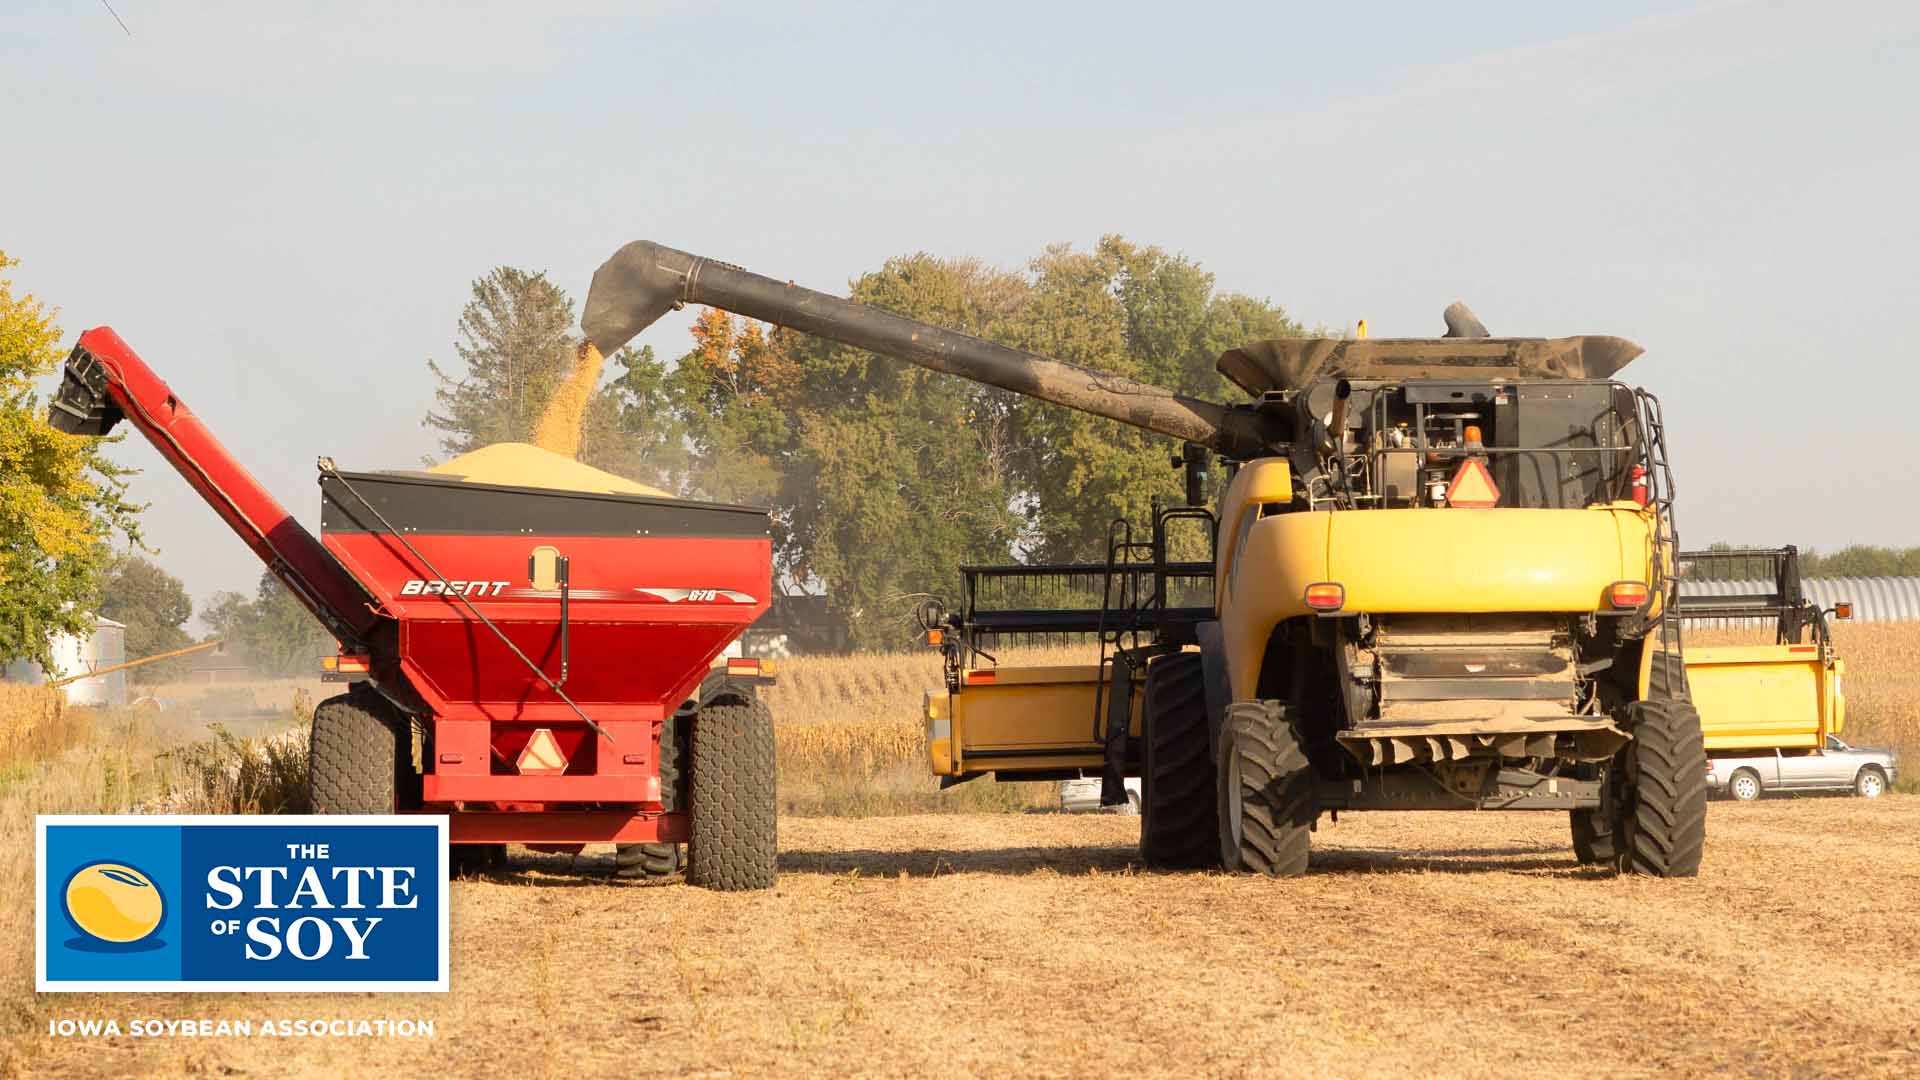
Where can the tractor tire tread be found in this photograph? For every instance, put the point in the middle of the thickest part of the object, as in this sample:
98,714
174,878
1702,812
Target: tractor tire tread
1276,792
358,758
732,802
1179,829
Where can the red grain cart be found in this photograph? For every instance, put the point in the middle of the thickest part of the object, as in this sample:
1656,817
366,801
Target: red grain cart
535,663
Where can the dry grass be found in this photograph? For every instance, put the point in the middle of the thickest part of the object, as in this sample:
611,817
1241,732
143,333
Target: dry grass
35,724
1420,945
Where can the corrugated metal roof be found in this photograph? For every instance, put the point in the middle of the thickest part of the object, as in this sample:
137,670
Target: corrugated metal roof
1875,599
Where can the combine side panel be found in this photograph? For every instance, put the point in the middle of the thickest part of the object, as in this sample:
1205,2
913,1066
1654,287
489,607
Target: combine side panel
107,382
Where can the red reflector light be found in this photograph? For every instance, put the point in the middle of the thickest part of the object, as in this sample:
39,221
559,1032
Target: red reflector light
1326,596
1627,594
974,678
743,665
343,662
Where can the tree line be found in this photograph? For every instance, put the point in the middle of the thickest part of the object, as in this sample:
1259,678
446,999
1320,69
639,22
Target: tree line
882,477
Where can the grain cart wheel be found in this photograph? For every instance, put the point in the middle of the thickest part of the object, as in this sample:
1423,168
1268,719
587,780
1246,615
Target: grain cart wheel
360,756
662,860
472,860
647,860
1659,793
1179,828
1592,838
1267,804
730,796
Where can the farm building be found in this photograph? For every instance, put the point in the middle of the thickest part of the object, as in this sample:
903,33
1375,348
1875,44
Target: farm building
1874,599
73,655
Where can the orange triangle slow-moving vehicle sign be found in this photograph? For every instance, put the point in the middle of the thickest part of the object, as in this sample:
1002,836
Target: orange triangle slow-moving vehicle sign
542,755
1473,486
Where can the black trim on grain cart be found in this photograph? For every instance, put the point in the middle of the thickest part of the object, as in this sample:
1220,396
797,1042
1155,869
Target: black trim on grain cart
434,505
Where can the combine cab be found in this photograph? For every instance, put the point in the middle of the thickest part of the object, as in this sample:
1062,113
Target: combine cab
536,663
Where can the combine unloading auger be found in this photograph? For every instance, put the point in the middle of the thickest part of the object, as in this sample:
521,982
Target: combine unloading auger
645,280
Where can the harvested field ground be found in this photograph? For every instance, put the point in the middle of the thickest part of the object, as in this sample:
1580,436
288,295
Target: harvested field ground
1421,944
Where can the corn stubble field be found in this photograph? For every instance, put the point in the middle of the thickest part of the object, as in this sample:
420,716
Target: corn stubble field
917,931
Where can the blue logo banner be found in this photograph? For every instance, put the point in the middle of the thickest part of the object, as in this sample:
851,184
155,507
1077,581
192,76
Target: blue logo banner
174,903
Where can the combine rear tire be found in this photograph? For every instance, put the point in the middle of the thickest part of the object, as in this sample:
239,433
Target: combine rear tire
360,759
1660,795
1179,826
1592,838
1267,803
731,797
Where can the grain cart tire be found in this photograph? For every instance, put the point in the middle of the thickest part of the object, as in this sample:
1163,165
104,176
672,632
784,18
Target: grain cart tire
1179,828
732,845
472,860
662,860
360,757
1592,838
647,860
1267,804
1660,793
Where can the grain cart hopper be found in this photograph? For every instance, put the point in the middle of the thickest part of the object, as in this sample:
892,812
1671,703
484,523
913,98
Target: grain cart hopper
536,661
1439,578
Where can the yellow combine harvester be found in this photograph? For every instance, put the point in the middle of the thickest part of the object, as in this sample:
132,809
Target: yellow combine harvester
1439,577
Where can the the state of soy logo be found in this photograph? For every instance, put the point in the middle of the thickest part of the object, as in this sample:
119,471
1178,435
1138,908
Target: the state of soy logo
241,903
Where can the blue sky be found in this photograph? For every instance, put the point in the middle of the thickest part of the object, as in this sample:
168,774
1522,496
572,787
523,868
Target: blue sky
281,206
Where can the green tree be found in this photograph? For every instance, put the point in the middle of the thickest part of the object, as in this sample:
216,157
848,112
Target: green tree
1862,560
271,632
61,500
899,474
634,426
516,342
154,607
1139,312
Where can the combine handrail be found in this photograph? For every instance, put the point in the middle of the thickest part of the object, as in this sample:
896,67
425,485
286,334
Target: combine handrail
106,381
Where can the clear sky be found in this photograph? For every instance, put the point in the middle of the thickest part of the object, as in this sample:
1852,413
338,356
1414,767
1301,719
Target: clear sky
281,205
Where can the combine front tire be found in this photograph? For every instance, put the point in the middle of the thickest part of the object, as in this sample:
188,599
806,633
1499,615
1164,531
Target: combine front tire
1660,797
1267,804
359,758
1179,828
731,797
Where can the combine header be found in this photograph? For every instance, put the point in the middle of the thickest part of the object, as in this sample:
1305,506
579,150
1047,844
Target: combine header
536,663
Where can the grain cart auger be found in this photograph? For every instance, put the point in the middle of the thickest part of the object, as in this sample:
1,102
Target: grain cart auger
1440,578
534,662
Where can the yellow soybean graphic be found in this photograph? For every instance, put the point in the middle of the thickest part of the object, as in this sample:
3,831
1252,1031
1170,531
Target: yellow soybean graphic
114,903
